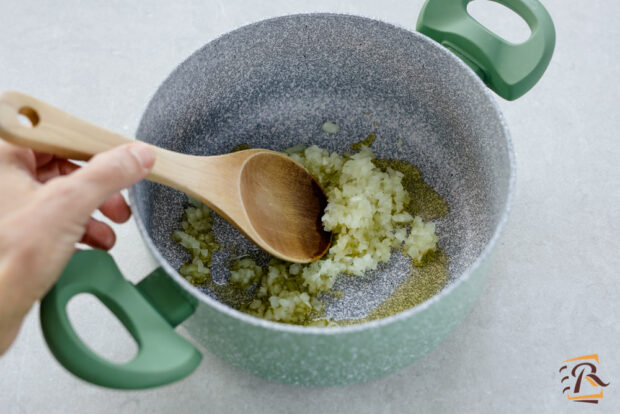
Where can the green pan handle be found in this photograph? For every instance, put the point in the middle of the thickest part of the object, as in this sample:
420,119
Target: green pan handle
507,68
163,356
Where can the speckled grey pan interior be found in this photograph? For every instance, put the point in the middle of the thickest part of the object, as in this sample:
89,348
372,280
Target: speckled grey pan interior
273,84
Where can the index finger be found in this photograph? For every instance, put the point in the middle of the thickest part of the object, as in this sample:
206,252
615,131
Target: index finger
57,166
42,158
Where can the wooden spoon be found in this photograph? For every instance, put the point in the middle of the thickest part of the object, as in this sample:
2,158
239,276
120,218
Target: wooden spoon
270,198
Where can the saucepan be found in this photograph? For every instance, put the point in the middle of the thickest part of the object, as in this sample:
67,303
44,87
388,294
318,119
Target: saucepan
425,95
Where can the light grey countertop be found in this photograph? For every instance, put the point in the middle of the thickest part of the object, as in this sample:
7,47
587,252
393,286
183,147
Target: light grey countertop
553,291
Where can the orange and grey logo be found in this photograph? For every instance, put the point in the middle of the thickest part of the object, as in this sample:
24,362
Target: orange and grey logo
580,380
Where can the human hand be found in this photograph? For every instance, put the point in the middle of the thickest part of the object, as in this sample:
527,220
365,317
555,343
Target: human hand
45,209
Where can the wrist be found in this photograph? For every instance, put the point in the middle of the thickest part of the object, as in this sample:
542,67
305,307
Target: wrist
15,302
13,307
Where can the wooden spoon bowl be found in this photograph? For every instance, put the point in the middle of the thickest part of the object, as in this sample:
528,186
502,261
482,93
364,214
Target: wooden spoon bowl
274,201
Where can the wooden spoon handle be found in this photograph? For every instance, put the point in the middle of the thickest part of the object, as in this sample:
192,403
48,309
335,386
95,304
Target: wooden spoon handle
29,122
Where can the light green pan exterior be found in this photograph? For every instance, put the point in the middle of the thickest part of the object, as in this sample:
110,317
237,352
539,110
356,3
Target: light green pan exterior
319,357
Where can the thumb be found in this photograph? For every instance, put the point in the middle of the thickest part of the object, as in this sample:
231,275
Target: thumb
109,172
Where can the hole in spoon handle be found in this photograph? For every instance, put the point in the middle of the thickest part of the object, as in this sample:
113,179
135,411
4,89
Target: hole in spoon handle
29,122
28,116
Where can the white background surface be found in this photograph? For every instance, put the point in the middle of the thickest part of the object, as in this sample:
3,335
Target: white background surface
554,290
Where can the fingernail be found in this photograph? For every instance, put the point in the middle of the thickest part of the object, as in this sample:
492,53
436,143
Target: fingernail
144,154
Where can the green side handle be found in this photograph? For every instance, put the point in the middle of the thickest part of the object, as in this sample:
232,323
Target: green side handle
507,68
148,311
